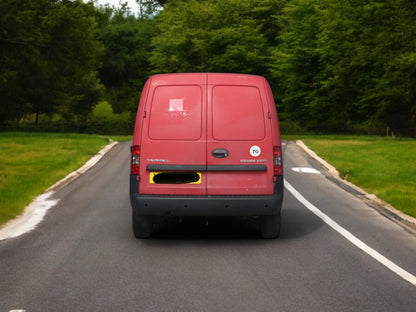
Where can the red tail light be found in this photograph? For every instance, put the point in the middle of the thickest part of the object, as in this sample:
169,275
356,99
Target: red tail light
135,159
277,161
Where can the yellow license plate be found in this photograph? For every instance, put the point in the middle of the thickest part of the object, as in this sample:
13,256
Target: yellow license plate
175,178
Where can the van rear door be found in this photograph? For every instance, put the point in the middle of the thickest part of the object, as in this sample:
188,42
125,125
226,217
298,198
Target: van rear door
239,144
173,151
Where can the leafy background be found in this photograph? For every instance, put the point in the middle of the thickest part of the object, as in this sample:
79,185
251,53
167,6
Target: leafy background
334,65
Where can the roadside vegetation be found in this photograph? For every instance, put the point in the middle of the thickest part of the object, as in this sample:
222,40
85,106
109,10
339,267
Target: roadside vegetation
334,65
382,166
31,162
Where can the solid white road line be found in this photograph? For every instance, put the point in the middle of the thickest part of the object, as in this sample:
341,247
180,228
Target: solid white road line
353,239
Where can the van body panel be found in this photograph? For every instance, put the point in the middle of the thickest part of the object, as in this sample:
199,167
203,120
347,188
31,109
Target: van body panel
137,137
176,113
274,123
237,113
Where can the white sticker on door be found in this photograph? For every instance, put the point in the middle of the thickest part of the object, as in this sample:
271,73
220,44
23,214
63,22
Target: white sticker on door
176,105
255,151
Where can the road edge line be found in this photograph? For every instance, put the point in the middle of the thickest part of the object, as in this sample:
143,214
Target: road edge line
351,237
389,210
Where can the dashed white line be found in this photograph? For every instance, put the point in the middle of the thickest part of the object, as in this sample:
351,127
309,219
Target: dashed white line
305,170
352,238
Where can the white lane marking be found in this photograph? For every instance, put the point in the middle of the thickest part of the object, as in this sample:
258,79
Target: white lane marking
17,311
305,170
31,217
353,239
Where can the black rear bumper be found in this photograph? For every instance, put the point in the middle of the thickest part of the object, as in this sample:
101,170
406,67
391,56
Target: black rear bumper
182,205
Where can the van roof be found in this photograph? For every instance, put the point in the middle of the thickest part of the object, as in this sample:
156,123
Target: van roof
210,78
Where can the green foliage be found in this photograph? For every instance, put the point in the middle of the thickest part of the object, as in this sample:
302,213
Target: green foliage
296,59
125,64
103,120
49,58
149,7
347,65
334,65
213,36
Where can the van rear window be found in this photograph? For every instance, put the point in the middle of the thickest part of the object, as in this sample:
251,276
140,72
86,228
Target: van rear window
176,113
237,113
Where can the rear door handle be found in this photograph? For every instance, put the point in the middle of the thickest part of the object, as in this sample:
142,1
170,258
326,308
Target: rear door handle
220,153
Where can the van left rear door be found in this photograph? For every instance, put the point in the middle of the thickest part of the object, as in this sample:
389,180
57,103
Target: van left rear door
173,151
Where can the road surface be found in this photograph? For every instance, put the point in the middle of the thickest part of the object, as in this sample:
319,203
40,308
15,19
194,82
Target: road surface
84,257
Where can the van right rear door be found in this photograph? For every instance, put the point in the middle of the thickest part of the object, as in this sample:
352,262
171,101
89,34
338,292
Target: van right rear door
239,144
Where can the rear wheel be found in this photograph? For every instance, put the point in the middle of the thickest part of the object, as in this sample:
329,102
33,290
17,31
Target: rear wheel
142,226
270,226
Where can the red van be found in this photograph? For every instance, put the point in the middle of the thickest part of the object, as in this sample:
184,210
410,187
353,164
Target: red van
206,144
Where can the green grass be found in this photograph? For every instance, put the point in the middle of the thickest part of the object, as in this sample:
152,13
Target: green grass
31,162
381,166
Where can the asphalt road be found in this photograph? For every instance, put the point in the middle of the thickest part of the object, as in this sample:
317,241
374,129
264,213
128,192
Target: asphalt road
84,257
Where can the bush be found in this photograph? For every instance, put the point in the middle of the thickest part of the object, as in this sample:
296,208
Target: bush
103,120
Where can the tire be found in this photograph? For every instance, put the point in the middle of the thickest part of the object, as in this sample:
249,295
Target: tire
270,226
142,226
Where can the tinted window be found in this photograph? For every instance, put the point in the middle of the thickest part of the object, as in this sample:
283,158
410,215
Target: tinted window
176,113
237,113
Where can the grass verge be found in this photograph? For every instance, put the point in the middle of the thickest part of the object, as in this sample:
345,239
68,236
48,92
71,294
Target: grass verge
381,166
31,162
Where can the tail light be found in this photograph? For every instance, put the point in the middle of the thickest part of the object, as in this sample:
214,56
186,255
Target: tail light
277,161
135,159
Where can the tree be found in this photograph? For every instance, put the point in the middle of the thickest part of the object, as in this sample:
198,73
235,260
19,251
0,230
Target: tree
212,35
295,60
21,39
74,51
149,7
349,64
395,89
49,58
125,64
